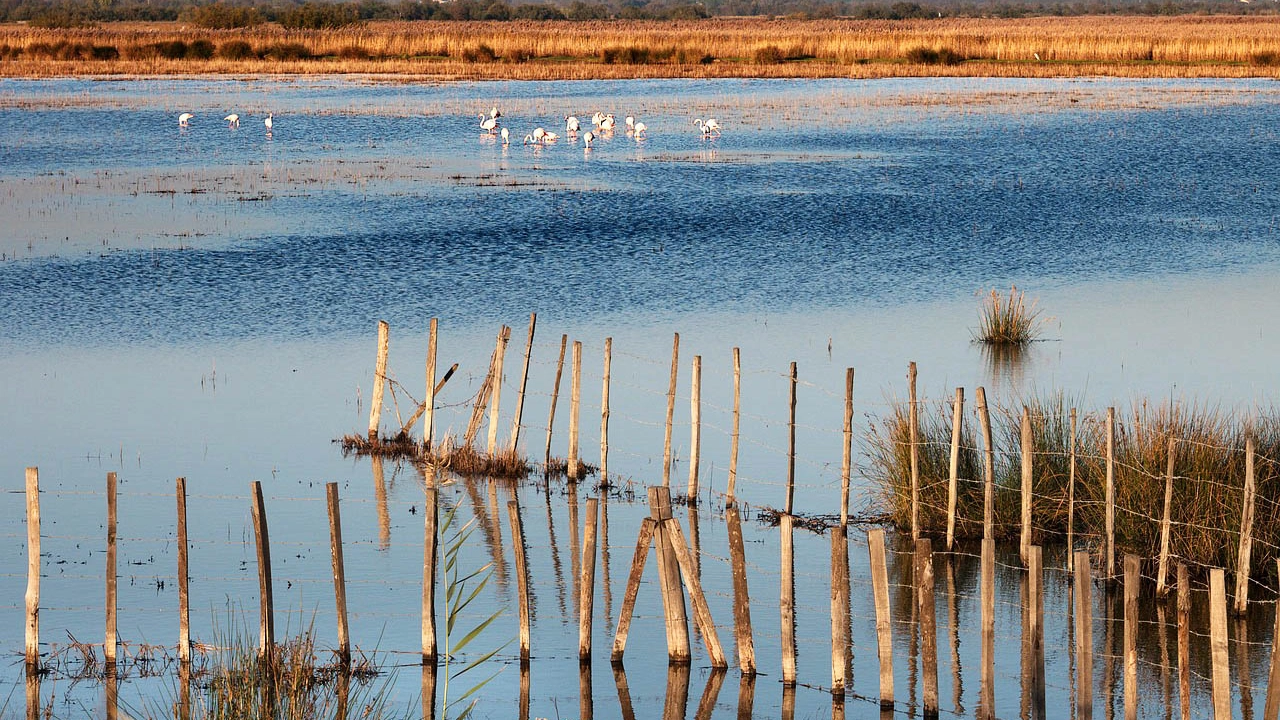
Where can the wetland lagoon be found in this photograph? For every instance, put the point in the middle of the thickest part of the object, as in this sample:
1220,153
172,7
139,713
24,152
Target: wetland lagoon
203,302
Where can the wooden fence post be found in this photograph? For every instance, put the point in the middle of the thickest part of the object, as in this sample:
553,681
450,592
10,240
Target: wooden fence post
695,425
604,413
430,554
1035,612
339,572
787,603
495,391
267,622
109,642
429,403
1084,636
697,598
673,609
741,600
524,383
1245,552
522,576
648,527
846,460
555,394
671,411
33,570
927,612
1071,499
1028,475
733,438
791,443
1184,641
989,467
884,625
575,399
986,691
379,379
184,576
1162,571
1110,568
1218,644
913,420
485,394
587,587
1272,709
1132,575
957,424
840,610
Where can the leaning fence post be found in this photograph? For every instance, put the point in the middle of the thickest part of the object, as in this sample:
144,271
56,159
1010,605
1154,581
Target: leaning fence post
339,572
1162,571
741,599
522,576
1272,709
524,383
267,623
587,586
1246,529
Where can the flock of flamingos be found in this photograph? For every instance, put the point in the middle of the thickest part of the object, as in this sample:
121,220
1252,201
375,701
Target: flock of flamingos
603,123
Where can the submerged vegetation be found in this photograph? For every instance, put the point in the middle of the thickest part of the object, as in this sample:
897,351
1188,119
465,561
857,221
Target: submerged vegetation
1208,476
316,40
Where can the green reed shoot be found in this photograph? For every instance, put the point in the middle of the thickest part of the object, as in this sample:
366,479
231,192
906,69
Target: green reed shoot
460,591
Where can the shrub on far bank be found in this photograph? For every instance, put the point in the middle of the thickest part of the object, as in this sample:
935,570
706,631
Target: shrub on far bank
320,16
221,16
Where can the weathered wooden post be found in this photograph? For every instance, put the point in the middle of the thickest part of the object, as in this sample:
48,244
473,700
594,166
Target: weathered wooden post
787,603
791,443
339,572
1111,496
1218,644
741,599
184,577
957,425
522,576
429,403
927,612
1132,575
430,554
1028,476
524,383
604,413
555,394
379,379
267,623
1245,552
695,425
846,460
1084,636
884,625
913,420
587,587
1162,572
989,468
33,571
671,411
733,438
575,399
109,642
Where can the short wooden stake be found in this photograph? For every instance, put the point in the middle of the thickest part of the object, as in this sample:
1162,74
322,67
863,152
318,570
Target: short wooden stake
791,443
429,403
339,572
1162,571
1110,568
604,413
555,394
647,528
671,411
1244,555
741,599
1024,548
986,691
430,553
495,390
184,577
695,425
1071,498
587,587
697,598
846,460
884,625
1184,641
422,408
485,393
927,612
673,609
575,400
733,437
524,383
913,430
33,570
1083,588
840,610
267,622
379,379
1132,576
109,642
522,576
953,478
787,603
1218,644
989,468
1271,710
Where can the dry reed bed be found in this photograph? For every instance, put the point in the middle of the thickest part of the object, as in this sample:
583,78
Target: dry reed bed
1126,46
1208,483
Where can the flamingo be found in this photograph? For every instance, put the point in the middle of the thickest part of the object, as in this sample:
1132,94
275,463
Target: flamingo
715,126
598,118
184,118
549,137
571,124
630,122
639,130
528,140
708,127
587,138
488,124
495,113
506,136
268,122
607,123
538,134
233,120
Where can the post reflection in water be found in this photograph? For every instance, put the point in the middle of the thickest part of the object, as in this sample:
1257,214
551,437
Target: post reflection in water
837,707
788,702
624,692
112,683
710,693
575,547
524,690
556,568
604,561
586,707
746,696
344,694
676,704
495,531
957,684
380,500
183,709
1242,661
429,691
33,696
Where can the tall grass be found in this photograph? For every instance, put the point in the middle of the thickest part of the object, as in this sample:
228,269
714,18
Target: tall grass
1033,47
1008,320
1207,488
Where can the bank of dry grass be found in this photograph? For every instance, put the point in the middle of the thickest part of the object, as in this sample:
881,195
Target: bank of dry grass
1187,46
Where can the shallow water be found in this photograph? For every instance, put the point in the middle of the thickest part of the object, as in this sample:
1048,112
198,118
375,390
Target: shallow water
202,302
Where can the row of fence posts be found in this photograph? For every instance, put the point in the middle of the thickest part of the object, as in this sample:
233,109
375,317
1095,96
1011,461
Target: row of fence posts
675,563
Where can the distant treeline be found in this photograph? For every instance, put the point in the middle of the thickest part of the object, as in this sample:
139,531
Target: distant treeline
337,13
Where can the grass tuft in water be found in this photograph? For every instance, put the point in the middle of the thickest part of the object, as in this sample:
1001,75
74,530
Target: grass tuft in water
1008,320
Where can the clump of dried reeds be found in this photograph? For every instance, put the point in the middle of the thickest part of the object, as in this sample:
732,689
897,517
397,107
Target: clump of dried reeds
1208,478
559,468
467,460
1008,321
